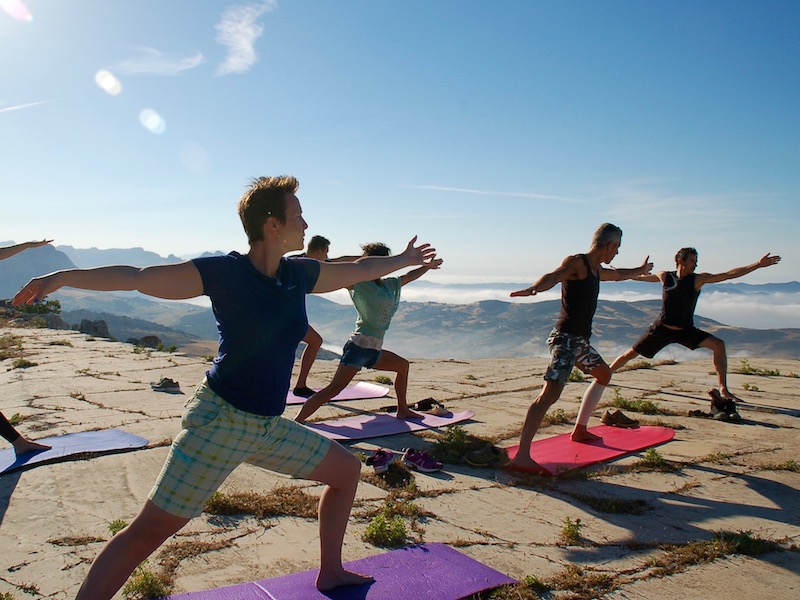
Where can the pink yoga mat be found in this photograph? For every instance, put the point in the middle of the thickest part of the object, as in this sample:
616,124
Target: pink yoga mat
359,391
72,446
377,425
558,454
426,572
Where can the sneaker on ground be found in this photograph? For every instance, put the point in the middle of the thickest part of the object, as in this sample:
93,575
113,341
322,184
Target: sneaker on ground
303,392
431,407
731,411
618,419
488,456
421,461
380,460
166,385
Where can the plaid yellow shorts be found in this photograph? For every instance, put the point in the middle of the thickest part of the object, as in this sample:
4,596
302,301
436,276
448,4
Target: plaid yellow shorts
216,438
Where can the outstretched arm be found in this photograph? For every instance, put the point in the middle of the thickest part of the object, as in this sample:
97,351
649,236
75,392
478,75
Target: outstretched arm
623,274
334,276
417,273
9,251
172,282
765,261
567,270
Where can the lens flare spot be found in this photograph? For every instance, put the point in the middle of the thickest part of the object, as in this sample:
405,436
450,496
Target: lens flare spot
152,121
16,9
106,81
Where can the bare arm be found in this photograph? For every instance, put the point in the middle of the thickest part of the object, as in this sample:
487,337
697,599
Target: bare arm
623,274
765,261
334,276
417,273
172,282
9,251
567,270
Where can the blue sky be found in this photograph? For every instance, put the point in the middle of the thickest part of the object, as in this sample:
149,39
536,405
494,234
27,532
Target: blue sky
502,132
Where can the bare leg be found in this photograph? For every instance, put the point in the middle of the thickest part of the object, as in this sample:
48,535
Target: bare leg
123,553
341,378
623,358
602,375
717,346
389,361
340,471
538,408
313,342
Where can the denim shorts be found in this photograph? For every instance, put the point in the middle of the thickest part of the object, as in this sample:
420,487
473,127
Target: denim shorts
216,438
357,357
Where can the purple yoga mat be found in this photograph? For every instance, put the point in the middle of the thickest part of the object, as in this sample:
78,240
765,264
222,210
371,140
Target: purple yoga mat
377,425
425,572
71,445
360,391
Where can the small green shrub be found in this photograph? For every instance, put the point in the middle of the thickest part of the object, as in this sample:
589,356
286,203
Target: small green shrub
384,379
22,363
575,375
571,532
144,584
386,531
116,526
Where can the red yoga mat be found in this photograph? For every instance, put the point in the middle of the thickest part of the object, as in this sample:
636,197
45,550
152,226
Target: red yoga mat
559,454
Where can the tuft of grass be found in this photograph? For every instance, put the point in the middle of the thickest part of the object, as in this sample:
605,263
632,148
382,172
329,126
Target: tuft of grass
574,376
530,588
470,377
116,526
171,555
22,363
556,417
386,531
583,583
454,443
746,369
10,346
614,506
678,558
286,500
6,596
750,387
77,395
16,419
76,540
647,407
60,343
145,584
384,379
653,461
571,532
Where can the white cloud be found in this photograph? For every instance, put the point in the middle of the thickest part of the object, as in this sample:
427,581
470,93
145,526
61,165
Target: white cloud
238,30
154,62
531,195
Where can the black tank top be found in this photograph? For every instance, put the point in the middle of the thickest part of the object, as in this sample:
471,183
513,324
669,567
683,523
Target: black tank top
678,300
578,303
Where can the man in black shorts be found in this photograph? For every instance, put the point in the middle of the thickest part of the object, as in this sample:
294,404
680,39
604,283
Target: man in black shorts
579,276
675,324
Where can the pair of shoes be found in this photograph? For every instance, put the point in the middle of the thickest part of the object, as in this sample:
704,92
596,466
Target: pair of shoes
303,392
723,409
618,419
166,385
422,461
430,406
380,460
488,456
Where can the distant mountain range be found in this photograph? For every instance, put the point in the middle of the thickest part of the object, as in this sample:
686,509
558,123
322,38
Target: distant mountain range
484,329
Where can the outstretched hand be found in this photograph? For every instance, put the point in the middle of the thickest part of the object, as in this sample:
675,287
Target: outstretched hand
37,244
35,290
768,261
647,266
528,291
419,255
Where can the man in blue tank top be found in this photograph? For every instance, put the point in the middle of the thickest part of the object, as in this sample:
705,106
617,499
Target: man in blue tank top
675,324
235,415
579,276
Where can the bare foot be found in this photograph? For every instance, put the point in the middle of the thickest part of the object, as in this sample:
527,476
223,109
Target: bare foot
408,414
584,436
341,578
22,446
528,465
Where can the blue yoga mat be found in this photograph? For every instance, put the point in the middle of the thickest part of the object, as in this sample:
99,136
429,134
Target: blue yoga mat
434,571
71,445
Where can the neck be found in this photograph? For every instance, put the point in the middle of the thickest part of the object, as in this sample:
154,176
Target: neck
264,258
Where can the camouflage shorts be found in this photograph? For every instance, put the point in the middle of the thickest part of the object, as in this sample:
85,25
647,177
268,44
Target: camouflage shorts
567,351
